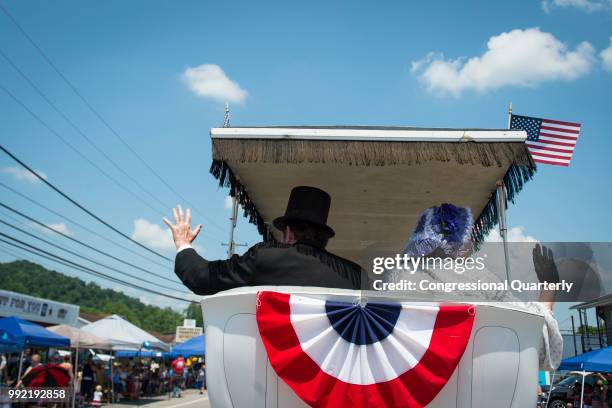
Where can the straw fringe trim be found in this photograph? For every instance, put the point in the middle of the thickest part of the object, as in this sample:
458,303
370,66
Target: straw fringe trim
373,154
368,153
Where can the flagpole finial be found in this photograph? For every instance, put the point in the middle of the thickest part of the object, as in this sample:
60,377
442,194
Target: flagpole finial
226,116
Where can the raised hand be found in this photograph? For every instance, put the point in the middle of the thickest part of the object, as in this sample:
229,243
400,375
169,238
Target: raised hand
544,263
182,233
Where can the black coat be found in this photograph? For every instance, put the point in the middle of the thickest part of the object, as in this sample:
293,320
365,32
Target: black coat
301,264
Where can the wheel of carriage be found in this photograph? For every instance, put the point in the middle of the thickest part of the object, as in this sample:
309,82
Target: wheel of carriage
557,403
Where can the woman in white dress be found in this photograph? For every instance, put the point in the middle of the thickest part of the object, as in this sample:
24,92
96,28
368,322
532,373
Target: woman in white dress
445,231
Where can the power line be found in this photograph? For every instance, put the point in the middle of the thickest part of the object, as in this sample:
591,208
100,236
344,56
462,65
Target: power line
79,255
56,258
77,151
60,192
79,131
74,239
99,116
84,228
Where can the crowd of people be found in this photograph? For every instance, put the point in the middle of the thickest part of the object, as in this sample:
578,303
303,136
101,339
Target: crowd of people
98,382
135,378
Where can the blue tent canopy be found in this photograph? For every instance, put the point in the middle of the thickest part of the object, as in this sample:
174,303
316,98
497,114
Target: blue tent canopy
193,347
16,334
596,361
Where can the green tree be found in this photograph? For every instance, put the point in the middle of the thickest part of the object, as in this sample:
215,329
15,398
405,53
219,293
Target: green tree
34,280
194,311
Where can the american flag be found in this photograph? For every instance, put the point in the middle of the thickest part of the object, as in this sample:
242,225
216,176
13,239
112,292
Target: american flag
549,141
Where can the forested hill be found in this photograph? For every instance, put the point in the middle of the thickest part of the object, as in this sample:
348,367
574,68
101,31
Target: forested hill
34,280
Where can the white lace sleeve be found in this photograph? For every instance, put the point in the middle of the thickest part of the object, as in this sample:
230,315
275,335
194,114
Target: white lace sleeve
551,349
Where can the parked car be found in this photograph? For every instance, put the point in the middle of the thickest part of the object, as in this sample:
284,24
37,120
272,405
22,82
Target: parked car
559,394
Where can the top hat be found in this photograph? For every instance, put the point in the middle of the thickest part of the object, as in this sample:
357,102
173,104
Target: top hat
307,204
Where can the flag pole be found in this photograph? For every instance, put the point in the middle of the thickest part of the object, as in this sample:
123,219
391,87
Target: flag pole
509,115
501,211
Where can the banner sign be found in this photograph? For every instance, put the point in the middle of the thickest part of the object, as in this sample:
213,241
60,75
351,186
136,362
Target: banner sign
37,309
184,333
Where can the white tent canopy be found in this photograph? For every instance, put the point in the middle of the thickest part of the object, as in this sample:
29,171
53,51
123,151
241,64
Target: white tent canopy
79,338
122,334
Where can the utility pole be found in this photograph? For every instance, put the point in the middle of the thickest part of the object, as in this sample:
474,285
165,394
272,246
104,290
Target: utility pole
231,245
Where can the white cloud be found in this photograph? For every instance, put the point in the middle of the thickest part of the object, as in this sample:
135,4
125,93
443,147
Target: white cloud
606,57
585,5
209,81
61,227
515,234
58,226
519,57
21,174
152,235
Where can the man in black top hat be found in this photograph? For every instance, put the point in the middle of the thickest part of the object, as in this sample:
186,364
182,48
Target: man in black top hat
299,260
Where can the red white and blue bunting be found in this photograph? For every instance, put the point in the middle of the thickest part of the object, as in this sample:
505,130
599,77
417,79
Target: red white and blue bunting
342,354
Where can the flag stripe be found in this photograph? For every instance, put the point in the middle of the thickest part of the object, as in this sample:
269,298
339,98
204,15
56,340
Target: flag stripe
552,159
549,149
564,137
558,122
550,162
551,142
551,156
560,127
556,131
546,139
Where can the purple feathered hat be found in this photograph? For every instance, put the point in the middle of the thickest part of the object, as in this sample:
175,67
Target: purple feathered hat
446,226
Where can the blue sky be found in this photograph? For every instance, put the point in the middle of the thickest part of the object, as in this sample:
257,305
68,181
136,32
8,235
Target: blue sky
294,63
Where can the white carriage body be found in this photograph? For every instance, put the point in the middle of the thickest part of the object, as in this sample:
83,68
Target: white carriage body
498,369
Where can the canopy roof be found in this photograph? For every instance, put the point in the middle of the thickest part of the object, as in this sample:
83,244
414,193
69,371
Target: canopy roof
380,178
195,346
596,361
122,334
16,334
81,339
602,301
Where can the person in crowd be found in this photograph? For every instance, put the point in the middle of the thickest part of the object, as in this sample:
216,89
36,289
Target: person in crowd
163,379
26,360
100,378
178,370
87,381
300,260
3,369
202,378
117,386
34,362
598,394
65,364
123,377
97,396
576,394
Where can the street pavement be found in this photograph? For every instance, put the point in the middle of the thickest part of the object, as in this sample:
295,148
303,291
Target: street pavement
190,399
